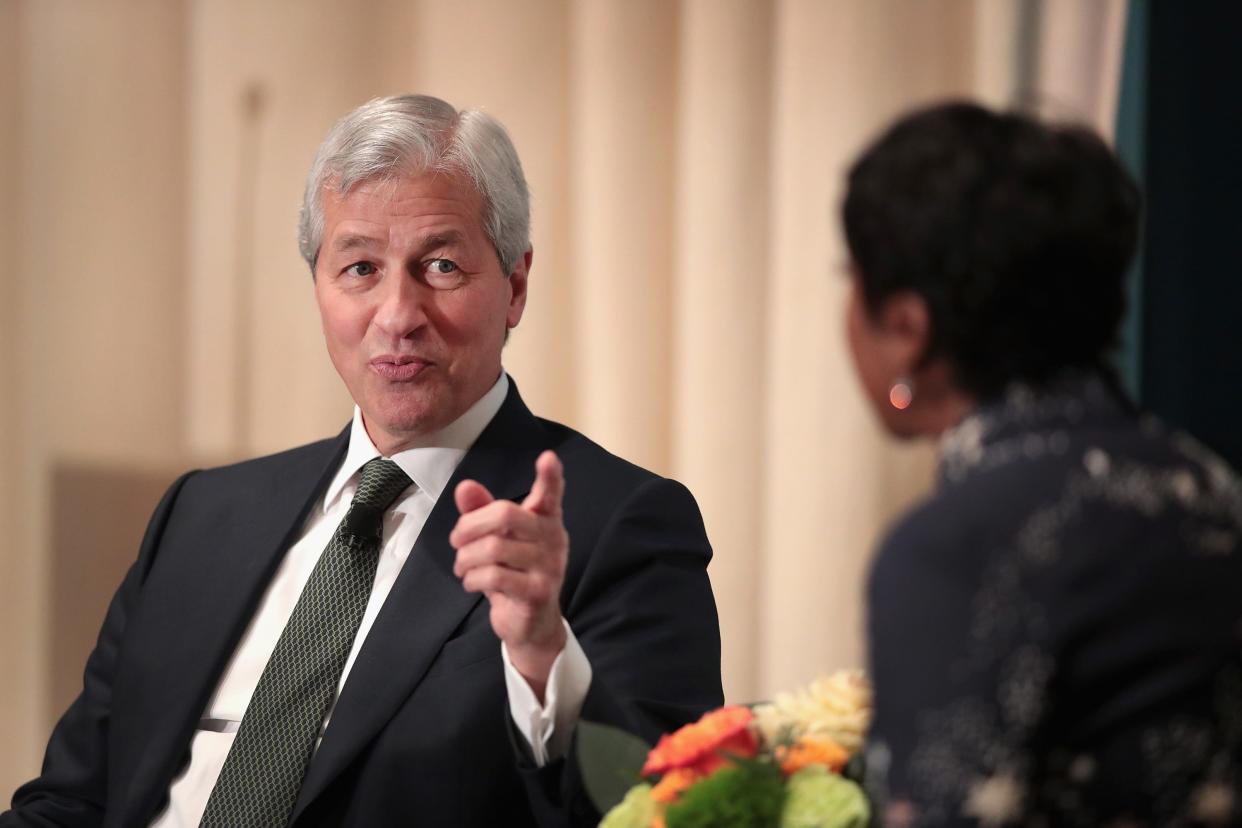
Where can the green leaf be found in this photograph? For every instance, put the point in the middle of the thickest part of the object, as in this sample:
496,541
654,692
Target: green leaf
610,760
748,794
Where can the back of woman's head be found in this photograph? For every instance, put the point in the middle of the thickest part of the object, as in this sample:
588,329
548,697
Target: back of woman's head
1017,235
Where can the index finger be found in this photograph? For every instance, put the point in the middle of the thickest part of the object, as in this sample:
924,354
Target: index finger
545,495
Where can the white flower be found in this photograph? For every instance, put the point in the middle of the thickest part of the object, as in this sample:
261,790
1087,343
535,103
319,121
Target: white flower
838,706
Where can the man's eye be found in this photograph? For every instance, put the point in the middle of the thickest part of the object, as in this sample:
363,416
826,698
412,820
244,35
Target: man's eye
360,269
442,274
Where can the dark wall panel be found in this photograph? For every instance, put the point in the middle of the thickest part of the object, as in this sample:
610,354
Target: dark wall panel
1192,285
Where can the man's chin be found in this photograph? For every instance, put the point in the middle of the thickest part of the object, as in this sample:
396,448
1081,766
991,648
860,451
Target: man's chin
406,421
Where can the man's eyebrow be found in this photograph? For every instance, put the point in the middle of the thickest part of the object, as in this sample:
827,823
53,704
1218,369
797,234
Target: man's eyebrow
441,238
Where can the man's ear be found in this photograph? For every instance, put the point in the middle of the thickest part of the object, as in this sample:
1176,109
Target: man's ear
905,323
518,278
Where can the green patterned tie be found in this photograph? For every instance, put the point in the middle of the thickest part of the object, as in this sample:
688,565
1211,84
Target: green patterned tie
261,776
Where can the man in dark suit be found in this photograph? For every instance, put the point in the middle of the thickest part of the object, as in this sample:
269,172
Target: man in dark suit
326,636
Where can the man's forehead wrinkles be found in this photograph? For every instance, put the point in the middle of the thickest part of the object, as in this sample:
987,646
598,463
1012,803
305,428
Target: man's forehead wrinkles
422,212
424,239
406,216
349,239
392,191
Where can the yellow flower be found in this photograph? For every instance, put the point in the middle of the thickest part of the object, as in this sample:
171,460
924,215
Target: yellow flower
837,707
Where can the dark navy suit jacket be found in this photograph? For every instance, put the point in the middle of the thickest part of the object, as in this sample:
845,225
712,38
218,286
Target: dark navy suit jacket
421,733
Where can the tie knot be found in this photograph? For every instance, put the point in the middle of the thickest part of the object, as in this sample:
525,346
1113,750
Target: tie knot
382,481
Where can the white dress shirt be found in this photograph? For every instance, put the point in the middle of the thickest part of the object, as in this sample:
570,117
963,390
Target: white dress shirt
547,728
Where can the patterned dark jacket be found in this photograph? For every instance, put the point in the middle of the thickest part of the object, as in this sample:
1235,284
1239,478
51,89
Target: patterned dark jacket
1056,633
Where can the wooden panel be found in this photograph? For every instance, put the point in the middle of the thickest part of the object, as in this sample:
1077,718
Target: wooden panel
98,518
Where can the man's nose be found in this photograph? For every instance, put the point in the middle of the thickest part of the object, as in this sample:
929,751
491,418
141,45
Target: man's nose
402,308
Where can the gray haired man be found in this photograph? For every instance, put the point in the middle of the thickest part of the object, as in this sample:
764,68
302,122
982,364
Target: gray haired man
402,624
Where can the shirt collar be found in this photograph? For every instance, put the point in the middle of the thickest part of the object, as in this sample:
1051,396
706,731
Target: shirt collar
432,462
1008,427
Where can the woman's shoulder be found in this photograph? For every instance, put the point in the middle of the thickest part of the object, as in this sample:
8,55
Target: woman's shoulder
1069,499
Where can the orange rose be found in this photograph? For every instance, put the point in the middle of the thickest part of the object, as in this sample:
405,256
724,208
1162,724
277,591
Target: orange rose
672,784
813,750
703,746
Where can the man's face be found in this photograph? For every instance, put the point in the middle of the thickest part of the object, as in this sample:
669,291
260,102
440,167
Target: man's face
414,303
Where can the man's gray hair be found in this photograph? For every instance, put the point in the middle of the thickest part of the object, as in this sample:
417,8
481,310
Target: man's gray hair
413,134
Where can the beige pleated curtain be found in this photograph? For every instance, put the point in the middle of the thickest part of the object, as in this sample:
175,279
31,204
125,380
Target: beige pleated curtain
685,160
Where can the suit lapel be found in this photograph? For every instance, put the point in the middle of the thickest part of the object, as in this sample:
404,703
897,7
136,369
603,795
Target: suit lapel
427,602
198,600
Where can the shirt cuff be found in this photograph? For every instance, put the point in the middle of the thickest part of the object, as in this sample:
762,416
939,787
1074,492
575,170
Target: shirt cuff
547,728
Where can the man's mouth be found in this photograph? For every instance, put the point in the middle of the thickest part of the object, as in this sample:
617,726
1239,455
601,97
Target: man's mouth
399,368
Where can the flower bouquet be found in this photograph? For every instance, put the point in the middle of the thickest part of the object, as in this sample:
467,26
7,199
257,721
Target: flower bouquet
791,763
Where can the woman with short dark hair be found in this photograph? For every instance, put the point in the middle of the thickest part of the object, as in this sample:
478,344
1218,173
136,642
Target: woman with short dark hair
1056,632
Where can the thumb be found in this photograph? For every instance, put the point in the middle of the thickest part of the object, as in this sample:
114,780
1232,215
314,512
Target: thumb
471,495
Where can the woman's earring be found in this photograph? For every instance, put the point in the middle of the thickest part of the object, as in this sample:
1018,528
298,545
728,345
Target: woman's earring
901,393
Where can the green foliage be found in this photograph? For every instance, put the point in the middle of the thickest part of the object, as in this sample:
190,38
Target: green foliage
610,760
819,798
745,795
637,810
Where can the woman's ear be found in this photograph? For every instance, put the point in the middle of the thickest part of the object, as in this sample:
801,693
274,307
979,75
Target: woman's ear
905,326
